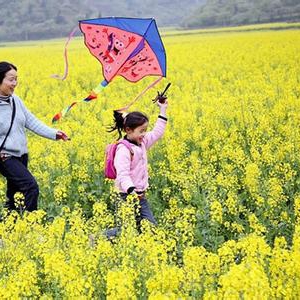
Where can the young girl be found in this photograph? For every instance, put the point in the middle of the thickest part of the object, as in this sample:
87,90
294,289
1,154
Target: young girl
131,168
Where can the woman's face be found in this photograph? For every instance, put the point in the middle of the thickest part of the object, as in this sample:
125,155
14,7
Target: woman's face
9,83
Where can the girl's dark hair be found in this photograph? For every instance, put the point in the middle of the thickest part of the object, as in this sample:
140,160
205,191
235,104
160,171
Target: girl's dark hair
4,68
131,120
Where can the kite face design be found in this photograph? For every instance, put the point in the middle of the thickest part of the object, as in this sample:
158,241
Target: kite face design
124,49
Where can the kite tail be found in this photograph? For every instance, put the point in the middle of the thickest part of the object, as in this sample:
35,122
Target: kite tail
93,95
141,94
56,76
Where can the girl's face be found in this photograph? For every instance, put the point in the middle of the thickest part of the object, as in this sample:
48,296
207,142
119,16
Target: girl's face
9,83
137,134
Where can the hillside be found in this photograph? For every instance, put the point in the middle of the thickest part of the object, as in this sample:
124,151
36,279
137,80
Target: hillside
241,12
43,19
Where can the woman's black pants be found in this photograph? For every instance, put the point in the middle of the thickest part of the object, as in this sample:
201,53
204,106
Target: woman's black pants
19,179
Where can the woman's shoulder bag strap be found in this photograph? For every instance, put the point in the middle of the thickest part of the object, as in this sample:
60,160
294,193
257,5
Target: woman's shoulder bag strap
11,123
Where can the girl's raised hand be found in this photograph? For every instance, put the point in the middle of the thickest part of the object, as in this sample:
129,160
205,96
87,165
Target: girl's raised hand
163,107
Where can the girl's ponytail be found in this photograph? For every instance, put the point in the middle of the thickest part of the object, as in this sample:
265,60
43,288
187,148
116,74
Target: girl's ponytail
118,123
131,120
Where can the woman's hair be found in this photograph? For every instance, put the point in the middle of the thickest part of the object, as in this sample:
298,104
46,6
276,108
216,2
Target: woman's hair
131,120
4,68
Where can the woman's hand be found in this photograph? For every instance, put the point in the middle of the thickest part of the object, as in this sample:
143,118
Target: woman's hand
60,135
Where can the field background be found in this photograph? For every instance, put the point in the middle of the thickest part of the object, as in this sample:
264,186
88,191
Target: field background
224,180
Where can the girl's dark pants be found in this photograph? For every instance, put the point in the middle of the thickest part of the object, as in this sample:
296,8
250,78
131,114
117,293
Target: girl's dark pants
19,179
143,212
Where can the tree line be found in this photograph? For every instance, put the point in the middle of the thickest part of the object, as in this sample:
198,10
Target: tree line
44,19
241,12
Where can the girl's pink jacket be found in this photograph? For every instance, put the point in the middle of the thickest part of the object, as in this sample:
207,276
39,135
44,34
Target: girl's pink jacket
132,171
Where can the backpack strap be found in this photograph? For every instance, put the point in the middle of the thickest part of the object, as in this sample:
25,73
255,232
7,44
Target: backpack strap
11,123
127,145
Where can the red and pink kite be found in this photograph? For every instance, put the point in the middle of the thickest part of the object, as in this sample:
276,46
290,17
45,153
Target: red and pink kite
129,47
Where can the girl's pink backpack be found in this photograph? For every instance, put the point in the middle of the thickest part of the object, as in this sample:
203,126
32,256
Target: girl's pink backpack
110,152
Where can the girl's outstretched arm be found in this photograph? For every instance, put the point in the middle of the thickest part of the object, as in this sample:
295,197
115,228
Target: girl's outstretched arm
163,108
157,132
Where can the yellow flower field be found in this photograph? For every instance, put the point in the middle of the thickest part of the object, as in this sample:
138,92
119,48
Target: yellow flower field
224,186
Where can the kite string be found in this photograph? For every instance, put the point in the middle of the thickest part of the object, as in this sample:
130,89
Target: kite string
56,76
141,94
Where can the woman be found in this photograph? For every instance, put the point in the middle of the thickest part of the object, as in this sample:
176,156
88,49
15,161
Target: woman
14,118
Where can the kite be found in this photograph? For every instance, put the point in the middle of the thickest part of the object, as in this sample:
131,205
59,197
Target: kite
127,47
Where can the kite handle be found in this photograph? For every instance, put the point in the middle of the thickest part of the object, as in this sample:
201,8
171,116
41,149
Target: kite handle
161,98
56,76
165,90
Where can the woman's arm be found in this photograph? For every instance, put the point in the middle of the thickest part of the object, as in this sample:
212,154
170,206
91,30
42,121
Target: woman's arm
34,124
